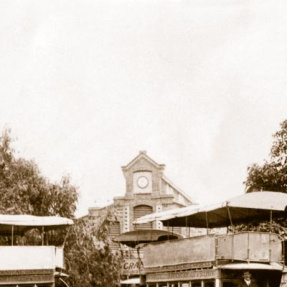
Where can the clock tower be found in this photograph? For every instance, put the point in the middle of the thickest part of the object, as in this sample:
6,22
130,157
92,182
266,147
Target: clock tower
147,191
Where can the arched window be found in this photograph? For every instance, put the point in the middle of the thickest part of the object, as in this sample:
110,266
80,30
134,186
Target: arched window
114,231
139,211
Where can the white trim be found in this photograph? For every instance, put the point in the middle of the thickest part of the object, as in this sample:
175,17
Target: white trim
131,281
252,266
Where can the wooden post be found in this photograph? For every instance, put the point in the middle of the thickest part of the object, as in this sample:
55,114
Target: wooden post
230,218
43,232
270,236
207,226
12,235
217,283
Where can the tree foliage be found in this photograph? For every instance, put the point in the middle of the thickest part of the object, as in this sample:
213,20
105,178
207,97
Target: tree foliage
272,175
23,190
89,255
278,226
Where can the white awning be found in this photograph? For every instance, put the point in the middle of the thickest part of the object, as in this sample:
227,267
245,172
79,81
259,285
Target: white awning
131,281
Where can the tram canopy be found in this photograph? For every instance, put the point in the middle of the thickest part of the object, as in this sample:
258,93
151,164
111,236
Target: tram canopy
133,238
255,206
21,223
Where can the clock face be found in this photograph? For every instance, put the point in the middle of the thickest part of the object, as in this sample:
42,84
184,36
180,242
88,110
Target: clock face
142,182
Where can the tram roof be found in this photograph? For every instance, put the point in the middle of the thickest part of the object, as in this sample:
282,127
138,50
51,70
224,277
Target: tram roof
255,206
133,238
21,223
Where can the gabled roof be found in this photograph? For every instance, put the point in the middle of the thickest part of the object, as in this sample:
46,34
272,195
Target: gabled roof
143,154
178,189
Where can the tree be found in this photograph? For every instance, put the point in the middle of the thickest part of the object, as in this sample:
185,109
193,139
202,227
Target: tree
89,254
23,190
272,175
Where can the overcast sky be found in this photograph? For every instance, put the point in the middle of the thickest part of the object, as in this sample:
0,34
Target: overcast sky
200,85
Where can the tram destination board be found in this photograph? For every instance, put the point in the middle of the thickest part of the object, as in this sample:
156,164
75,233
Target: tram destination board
182,275
178,267
26,276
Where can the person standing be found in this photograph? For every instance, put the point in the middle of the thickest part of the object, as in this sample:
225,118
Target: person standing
247,280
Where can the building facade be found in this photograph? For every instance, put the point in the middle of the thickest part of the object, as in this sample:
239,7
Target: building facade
148,190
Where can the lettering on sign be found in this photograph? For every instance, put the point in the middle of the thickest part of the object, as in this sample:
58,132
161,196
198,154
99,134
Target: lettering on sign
132,266
182,275
195,265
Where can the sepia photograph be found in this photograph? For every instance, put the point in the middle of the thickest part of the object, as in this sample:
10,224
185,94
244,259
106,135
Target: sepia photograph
143,143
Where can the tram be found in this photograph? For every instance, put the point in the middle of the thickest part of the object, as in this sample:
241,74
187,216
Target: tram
30,266
232,259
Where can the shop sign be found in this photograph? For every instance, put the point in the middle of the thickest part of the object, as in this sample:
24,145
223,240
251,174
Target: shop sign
132,266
